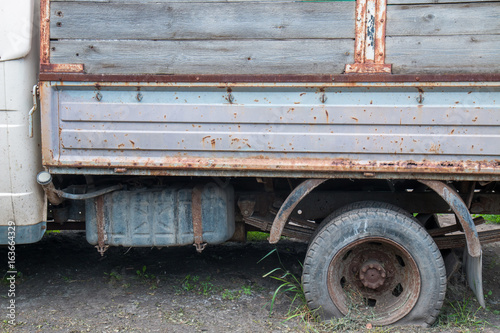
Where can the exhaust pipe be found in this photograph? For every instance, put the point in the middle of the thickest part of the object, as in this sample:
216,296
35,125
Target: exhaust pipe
56,197
45,180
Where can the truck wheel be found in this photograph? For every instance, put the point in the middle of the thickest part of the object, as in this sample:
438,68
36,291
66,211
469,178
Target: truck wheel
378,261
357,205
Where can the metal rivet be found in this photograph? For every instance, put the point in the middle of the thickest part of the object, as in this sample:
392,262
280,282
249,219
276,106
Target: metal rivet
420,99
323,98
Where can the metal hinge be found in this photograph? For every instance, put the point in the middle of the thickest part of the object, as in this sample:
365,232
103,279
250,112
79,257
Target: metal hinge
36,95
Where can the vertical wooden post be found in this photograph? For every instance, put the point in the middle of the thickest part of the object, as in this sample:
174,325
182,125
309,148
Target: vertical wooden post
369,50
45,65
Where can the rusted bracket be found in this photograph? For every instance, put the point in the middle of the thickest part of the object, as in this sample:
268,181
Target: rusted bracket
197,218
45,65
473,255
290,203
460,209
474,272
369,50
101,232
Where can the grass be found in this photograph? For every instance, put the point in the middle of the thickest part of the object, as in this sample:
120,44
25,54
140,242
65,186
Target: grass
113,276
357,317
193,283
203,286
292,286
491,219
147,278
232,295
257,236
460,314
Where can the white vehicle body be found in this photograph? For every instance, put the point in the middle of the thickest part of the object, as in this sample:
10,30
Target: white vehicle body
22,201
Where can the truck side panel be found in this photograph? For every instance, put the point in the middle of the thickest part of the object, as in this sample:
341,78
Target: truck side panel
273,128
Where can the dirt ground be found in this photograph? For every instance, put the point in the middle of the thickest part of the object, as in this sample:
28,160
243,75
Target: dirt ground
66,286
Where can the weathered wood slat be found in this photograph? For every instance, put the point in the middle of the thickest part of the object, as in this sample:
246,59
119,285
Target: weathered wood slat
206,57
196,1
444,54
209,20
413,2
444,19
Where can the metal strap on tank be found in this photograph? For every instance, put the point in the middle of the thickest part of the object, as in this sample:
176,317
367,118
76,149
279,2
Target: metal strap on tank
101,233
197,218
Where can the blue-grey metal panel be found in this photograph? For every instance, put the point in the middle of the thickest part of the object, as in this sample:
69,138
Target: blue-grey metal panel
162,217
24,234
308,127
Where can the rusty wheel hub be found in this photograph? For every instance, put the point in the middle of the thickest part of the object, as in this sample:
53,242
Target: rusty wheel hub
378,276
372,274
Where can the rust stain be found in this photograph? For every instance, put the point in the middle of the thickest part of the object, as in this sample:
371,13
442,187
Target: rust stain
266,163
262,78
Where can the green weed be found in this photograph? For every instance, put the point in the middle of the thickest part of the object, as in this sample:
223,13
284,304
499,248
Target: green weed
113,276
147,278
246,290
230,294
460,314
257,236
236,294
491,219
144,275
292,286
194,284
357,317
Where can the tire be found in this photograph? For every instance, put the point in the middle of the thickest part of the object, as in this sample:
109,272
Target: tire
383,257
357,205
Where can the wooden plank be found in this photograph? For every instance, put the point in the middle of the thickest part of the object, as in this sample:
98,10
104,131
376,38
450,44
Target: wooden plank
444,54
206,57
416,2
194,1
457,241
444,19
162,21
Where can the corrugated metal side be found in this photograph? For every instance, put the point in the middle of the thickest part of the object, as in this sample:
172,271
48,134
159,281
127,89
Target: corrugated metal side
329,128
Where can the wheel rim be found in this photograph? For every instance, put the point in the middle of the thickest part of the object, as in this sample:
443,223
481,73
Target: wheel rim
377,276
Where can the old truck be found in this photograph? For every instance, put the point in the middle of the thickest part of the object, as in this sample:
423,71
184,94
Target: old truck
347,124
